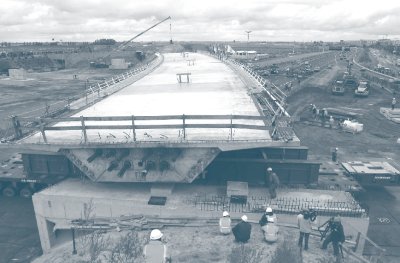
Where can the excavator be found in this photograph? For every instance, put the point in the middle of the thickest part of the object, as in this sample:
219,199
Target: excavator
101,62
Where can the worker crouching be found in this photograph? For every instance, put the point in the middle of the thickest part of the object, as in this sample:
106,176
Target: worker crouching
156,250
242,230
335,236
225,223
270,230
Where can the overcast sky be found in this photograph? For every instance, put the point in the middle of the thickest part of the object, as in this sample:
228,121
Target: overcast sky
269,20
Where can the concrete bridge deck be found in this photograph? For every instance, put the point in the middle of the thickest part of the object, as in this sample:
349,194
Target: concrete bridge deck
213,89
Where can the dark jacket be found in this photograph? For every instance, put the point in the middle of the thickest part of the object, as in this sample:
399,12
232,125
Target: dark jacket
242,231
264,220
337,233
272,180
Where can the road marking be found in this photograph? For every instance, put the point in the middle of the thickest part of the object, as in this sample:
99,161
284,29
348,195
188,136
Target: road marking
384,220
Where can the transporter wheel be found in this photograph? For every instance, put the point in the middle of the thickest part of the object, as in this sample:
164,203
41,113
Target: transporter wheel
9,191
26,192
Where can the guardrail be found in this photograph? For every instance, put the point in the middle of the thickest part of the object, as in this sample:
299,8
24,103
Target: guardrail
275,94
131,123
92,95
96,92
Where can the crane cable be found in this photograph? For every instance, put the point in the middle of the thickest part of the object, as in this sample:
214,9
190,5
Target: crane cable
170,32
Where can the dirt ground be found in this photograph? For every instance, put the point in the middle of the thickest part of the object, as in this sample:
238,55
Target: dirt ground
205,244
378,139
376,142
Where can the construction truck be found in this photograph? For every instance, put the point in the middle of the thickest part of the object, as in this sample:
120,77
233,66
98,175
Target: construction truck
362,90
274,69
338,88
349,81
25,174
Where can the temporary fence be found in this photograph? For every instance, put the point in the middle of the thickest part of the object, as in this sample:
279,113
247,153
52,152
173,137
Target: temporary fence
283,205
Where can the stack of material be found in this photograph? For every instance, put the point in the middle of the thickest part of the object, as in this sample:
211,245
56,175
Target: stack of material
393,115
352,126
118,63
17,73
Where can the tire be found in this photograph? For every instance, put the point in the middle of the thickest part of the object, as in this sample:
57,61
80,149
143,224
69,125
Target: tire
9,191
26,192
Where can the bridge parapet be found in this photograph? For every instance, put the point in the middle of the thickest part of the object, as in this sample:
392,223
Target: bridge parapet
113,129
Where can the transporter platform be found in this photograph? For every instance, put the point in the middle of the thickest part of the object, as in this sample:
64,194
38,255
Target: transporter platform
191,115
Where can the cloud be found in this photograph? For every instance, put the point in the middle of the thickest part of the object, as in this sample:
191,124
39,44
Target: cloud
273,20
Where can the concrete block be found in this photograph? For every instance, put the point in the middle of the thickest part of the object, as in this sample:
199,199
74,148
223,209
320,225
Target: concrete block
161,189
237,188
17,73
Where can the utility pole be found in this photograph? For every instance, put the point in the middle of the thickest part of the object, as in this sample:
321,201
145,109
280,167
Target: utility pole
248,38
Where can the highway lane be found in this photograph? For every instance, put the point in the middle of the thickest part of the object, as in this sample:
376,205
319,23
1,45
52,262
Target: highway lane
19,237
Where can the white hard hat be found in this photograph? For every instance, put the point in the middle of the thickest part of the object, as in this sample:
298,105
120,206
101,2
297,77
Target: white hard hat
155,234
268,210
244,218
270,219
269,169
225,213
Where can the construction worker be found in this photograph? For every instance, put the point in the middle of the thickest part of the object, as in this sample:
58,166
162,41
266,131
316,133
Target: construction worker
334,154
268,214
156,251
304,224
242,230
273,181
393,103
331,122
271,231
225,223
314,111
336,235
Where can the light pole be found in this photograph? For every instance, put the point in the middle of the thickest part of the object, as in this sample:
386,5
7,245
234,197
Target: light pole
248,38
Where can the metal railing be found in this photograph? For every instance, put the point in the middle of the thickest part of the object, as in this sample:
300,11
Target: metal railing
271,100
134,123
93,94
275,94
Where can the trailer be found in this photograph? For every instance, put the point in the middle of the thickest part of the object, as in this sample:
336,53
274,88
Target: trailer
372,173
24,174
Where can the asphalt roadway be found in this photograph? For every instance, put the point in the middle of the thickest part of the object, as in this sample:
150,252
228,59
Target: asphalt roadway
19,237
384,227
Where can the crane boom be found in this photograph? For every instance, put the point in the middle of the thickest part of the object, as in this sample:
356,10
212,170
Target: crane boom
141,33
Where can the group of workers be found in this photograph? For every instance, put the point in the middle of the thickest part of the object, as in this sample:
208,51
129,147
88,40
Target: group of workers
242,230
156,250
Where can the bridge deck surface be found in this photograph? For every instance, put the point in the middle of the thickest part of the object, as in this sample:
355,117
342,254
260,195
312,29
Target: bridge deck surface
214,89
